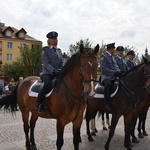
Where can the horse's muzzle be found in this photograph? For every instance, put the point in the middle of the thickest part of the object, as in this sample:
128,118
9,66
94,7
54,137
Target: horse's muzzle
89,92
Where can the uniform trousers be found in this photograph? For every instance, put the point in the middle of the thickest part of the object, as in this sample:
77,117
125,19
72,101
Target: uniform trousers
47,78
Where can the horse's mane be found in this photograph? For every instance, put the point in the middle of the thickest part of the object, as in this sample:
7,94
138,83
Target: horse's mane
134,68
75,58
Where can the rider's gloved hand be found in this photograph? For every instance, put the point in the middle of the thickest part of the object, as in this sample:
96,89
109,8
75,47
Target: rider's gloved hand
118,74
56,72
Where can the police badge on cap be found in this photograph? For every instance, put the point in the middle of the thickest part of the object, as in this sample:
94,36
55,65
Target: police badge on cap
52,34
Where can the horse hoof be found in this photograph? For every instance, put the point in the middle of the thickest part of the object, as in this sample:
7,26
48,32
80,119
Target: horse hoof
93,134
129,148
135,140
140,135
96,130
104,128
145,133
80,141
106,147
129,145
33,147
90,139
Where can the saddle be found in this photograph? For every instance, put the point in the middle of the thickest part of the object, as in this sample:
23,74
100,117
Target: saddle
38,85
99,90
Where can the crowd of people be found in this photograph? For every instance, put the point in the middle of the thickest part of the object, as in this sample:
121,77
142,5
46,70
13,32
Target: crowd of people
9,87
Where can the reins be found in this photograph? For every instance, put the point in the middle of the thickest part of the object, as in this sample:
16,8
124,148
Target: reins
65,88
127,91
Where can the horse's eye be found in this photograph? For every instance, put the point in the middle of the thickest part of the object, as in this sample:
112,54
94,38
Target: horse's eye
82,66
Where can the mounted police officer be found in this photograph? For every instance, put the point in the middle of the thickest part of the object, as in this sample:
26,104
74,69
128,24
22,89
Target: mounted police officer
120,61
130,62
109,70
52,61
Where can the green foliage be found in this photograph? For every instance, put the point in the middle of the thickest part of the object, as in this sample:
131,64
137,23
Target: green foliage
31,58
73,48
27,65
13,70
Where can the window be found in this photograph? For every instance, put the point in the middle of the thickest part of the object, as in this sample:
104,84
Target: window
9,45
9,56
8,33
22,45
21,35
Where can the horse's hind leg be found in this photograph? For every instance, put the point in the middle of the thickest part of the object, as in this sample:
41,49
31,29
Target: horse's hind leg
32,126
107,120
25,118
144,122
103,121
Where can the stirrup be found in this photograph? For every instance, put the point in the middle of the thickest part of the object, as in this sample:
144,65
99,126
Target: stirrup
41,108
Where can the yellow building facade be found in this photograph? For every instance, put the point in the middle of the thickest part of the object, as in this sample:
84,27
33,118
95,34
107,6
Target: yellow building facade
10,41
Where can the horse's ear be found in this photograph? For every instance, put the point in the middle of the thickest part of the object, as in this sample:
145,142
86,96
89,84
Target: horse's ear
81,48
96,49
145,60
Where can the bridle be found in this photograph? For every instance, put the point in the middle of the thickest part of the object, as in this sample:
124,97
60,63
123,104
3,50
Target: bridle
75,96
81,77
145,84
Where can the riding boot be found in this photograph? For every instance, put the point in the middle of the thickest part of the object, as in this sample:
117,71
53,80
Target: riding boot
107,100
40,102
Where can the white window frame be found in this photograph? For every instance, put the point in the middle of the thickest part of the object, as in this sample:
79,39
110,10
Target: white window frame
9,57
8,33
9,45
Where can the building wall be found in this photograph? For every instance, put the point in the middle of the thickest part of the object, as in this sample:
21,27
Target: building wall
14,51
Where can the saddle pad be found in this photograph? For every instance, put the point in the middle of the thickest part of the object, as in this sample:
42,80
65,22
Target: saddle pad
35,94
102,95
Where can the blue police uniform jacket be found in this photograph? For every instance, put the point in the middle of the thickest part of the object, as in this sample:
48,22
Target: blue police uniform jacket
130,64
52,60
121,64
108,67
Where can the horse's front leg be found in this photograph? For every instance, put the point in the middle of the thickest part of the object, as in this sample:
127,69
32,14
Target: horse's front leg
132,131
76,132
114,122
60,132
127,129
32,126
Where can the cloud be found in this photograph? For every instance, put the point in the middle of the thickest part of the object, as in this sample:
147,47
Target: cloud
124,22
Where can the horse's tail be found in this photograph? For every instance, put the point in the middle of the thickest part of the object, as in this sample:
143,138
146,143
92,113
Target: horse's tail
9,102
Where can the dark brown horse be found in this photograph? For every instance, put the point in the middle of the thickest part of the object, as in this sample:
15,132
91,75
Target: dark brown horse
67,101
132,87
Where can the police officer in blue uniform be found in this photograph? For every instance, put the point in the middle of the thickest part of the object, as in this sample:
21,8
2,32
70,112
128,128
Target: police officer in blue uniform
52,61
109,70
130,62
120,61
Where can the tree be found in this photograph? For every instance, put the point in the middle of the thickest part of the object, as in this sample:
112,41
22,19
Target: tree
73,48
31,58
13,70
28,64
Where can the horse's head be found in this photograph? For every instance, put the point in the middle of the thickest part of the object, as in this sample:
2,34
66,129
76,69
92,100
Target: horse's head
147,75
88,69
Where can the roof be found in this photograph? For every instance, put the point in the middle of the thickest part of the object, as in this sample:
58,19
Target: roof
15,33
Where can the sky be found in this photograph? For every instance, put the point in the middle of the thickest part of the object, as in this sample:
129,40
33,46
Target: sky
125,22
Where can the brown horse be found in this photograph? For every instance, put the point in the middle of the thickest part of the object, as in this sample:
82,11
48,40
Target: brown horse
133,85
67,101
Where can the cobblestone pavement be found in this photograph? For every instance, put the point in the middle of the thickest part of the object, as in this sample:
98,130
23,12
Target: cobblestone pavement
12,135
